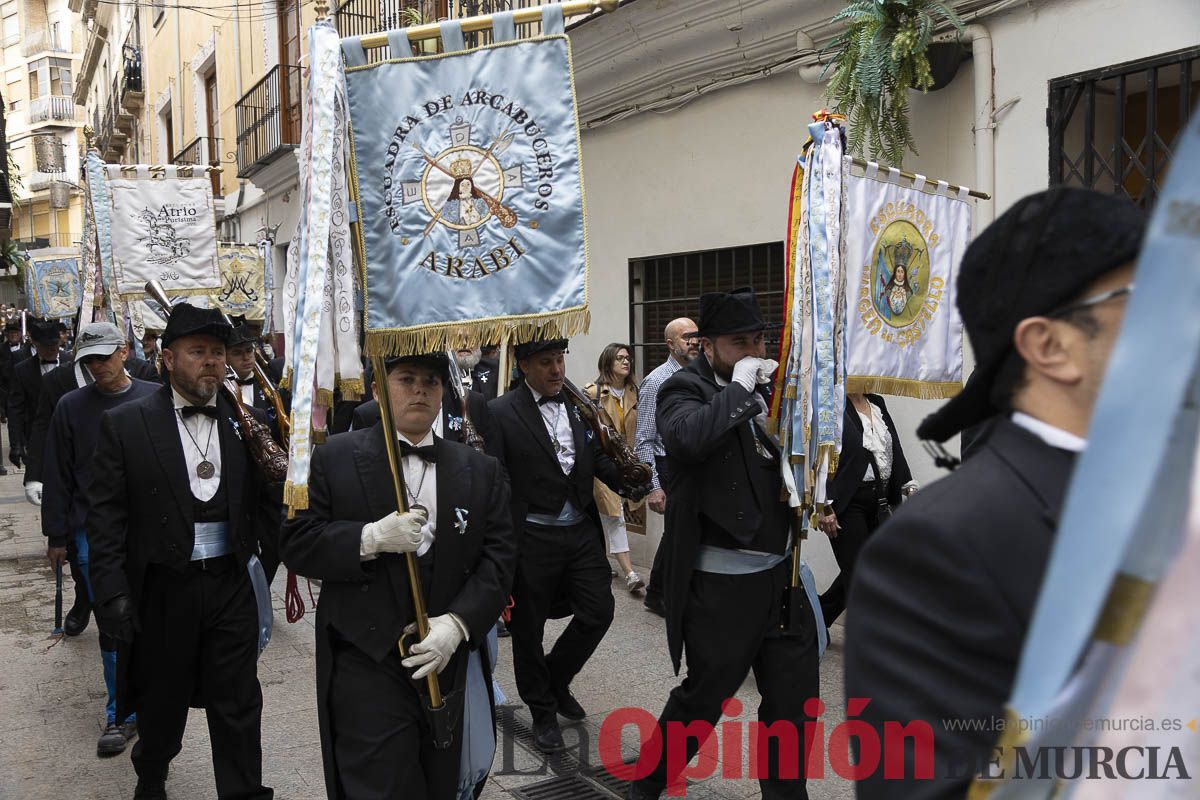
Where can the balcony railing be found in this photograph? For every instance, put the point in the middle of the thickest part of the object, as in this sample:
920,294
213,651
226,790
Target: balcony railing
268,119
44,240
52,107
34,42
201,151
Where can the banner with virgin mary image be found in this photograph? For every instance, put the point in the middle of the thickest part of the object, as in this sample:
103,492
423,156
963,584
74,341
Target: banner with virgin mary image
466,165
903,247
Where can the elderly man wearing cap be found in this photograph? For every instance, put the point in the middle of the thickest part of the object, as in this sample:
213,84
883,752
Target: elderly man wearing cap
552,458
729,534
68,475
375,739
177,509
945,591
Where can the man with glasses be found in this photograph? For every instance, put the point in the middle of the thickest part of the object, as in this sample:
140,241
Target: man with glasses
944,592
68,473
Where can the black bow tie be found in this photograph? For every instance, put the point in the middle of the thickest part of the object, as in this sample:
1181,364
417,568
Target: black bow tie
49,363
246,381
428,452
552,398
191,411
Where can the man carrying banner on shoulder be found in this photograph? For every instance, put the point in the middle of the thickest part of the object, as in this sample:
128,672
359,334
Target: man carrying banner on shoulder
729,537
552,458
375,739
177,510
944,593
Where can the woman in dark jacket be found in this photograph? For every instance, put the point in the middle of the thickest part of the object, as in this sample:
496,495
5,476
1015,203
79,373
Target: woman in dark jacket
869,443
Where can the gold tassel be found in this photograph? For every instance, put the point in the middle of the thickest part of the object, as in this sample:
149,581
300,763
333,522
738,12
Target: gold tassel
295,497
903,387
351,389
324,397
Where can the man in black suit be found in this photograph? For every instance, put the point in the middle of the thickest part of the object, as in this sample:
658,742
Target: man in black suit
374,736
240,354
449,424
727,562
944,593
26,389
552,458
177,510
14,352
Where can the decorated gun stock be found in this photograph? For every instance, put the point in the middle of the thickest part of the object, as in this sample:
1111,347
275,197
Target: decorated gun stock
634,474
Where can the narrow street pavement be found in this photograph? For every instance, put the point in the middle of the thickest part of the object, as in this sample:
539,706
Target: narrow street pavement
52,699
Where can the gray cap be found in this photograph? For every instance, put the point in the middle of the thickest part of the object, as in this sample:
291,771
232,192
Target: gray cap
98,339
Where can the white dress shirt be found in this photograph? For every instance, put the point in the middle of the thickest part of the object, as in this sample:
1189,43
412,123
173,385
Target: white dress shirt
1055,437
46,366
247,392
420,480
201,442
558,426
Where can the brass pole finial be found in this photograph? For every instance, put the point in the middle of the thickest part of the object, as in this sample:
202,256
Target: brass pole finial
322,9
89,136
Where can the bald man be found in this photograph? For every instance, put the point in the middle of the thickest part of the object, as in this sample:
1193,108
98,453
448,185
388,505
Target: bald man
682,347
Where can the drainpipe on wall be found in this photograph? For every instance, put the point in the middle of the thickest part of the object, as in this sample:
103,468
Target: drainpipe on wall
984,125
178,132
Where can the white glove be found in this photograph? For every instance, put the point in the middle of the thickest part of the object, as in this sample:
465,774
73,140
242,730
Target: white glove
395,533
33,492
433,652
751,370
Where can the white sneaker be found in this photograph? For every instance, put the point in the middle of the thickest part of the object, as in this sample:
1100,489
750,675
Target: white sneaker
634,582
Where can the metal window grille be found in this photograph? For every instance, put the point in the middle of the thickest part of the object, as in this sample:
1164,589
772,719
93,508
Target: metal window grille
1115,128
663,288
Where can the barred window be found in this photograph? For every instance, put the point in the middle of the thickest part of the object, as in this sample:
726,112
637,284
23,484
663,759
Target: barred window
662,288
1115,129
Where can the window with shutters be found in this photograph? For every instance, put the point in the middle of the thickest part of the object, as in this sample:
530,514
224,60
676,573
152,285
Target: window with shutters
12,24
663,288
50,76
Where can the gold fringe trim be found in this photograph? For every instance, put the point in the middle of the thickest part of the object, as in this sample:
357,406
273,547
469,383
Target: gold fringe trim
903,387
324,397
172,293
1127,602
445,336
295,497
319,436
351,389
285,382
1010,739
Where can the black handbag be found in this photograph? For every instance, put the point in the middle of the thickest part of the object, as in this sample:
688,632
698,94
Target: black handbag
883,509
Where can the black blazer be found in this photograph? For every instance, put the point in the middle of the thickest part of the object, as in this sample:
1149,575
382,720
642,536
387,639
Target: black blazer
485,377
24,395
367,414
942,597
710,450
855,459
8,362
142,504
55,384
538,482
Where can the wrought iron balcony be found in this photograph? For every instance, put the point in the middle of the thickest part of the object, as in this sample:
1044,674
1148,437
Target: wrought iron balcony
268,119
360,17
133,94
51,108
201,151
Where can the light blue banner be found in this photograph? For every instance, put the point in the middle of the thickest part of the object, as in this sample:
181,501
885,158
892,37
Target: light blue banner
56,289
469,191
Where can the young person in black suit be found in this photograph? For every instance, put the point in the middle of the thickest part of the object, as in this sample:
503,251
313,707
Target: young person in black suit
944,593
728,545
25,392
240,354
552,458
872,473
374,737
177,509
449,424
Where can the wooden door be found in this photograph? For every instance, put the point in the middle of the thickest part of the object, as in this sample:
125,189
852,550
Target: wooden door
213,145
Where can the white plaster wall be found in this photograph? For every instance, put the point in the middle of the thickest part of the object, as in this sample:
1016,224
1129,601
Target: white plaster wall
716,173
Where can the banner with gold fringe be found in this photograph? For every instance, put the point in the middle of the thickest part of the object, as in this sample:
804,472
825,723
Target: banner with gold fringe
243,281
466,171
903,332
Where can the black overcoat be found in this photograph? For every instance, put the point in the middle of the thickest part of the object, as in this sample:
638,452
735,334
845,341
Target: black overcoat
942,598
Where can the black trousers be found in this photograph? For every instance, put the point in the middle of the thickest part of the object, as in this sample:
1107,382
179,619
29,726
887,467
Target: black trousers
381,741
730,627
572,560
198,644
655,587
858,521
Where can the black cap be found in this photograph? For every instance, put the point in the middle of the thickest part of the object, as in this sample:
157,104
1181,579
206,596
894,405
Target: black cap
530,349
438,362
723,313
1037,257
242,332
44,332
188,320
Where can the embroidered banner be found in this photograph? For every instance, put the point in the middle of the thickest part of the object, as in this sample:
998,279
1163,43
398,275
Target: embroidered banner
56,290
163,229
243,281
903,332
467,173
